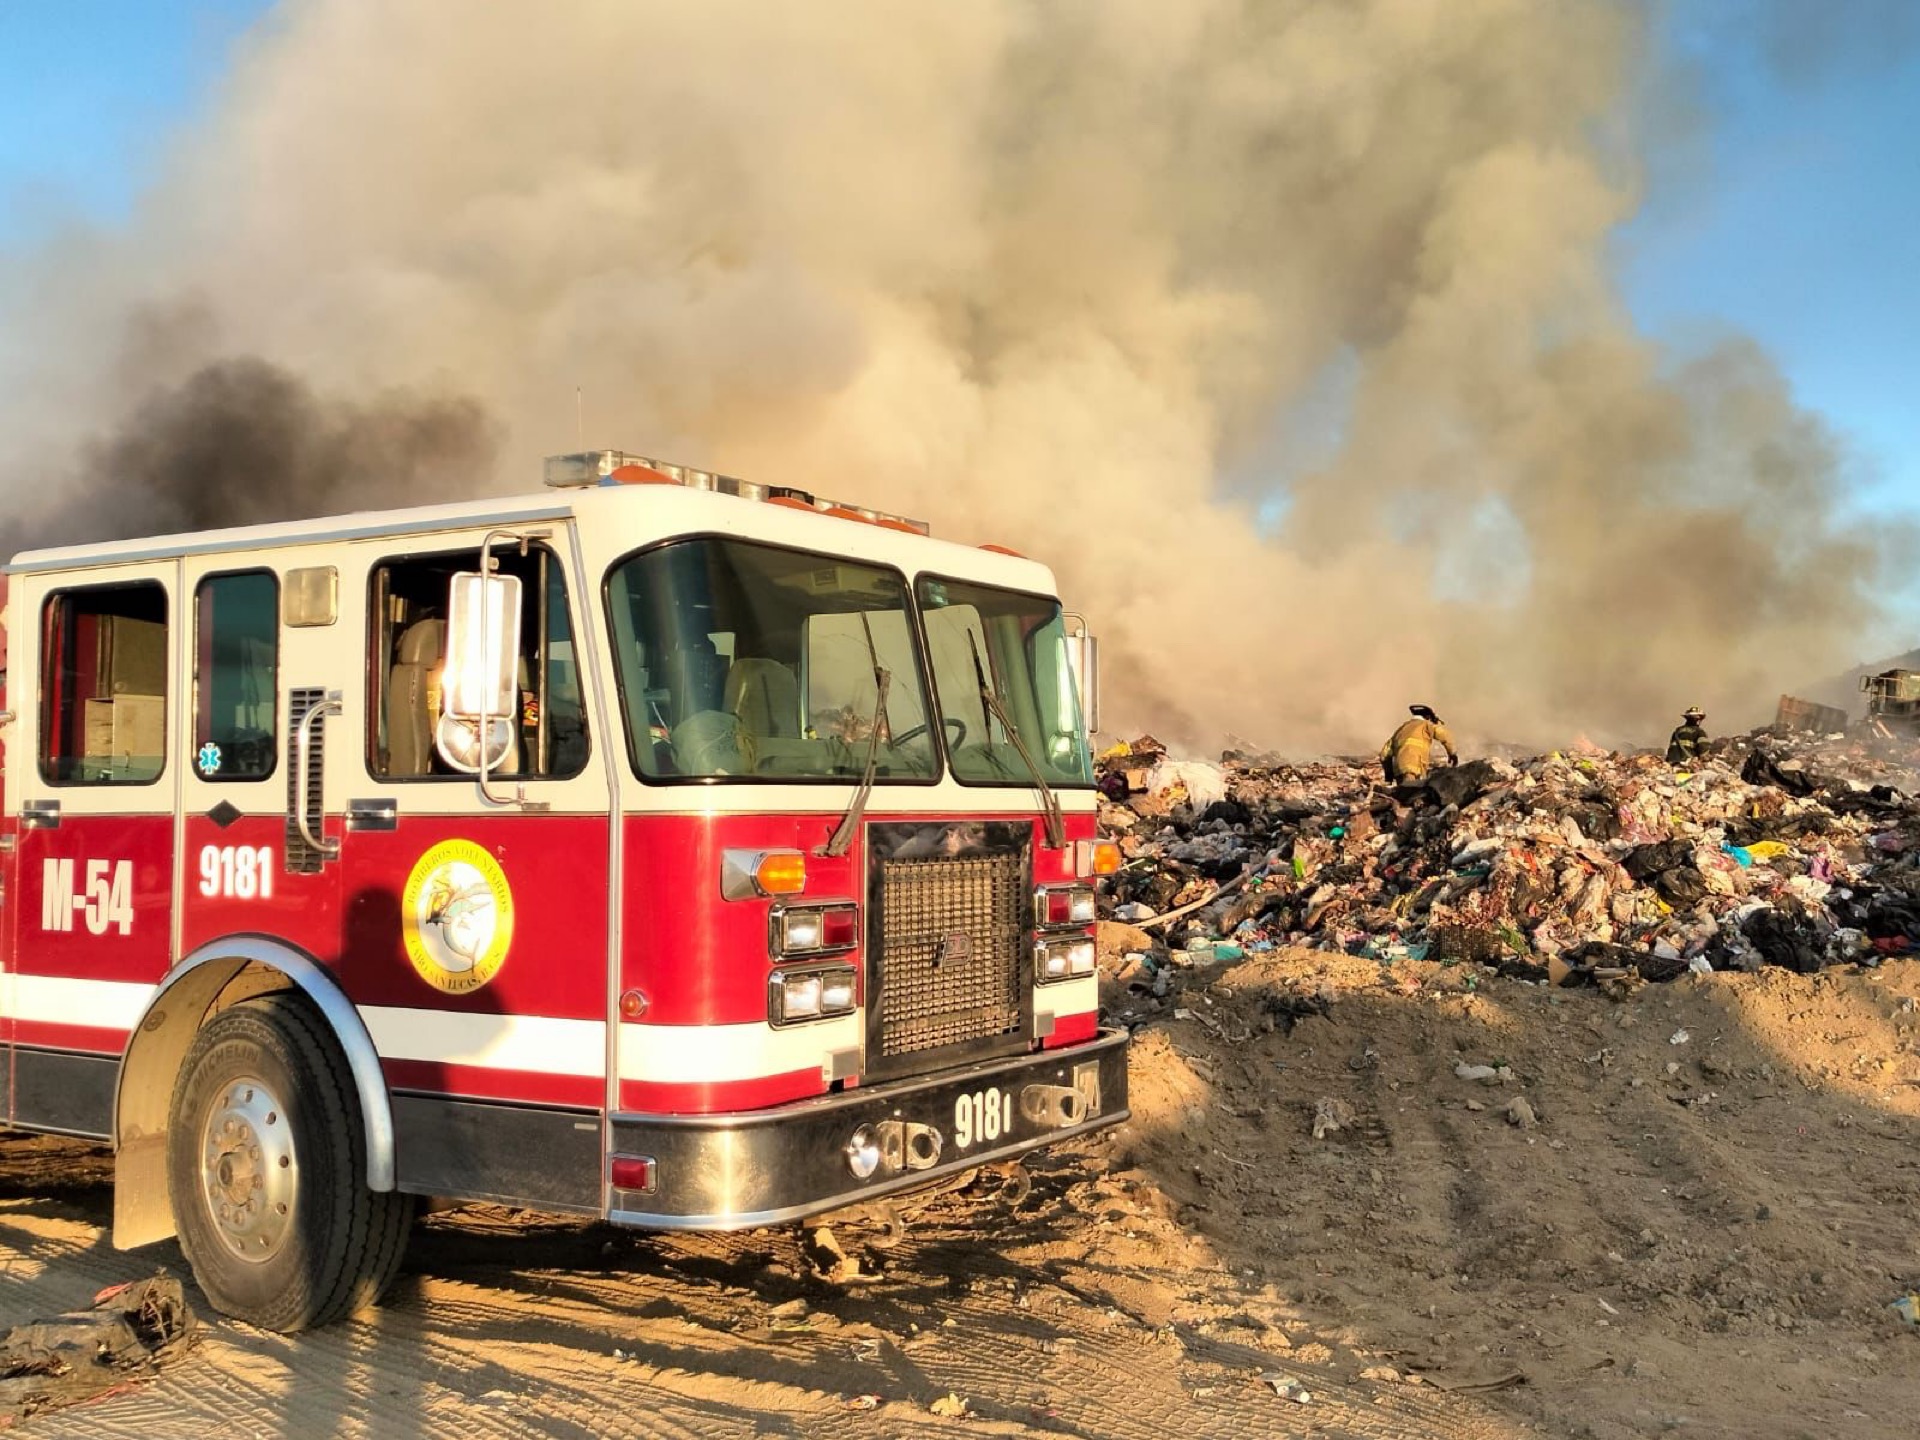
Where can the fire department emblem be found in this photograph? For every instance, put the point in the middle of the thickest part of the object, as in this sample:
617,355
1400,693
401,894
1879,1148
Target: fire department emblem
456,916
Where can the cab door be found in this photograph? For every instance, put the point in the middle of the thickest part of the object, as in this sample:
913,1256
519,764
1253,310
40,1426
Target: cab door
9,883
97,765
262,654
474,920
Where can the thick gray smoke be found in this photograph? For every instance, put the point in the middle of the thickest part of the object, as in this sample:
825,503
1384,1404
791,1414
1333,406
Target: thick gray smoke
242,442
1283,329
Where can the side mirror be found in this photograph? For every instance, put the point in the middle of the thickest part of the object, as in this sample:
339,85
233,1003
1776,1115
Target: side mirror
1083,654
480,690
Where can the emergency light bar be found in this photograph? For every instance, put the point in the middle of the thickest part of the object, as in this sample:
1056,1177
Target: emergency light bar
592,468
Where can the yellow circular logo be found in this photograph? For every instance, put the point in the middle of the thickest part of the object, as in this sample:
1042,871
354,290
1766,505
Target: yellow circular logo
456,916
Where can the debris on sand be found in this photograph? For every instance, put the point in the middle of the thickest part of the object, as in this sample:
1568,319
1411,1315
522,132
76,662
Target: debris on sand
1331,1115
951,1407
129,1331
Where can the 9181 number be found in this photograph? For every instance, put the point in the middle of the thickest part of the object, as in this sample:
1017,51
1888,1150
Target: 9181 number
236,872
982,1116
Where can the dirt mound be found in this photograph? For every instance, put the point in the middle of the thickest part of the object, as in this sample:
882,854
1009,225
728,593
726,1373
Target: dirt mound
1691,1206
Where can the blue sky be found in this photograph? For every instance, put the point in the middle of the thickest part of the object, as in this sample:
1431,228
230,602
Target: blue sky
1791,215
89,91
1788,211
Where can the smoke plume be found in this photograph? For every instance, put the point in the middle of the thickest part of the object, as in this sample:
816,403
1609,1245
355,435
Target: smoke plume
242,442
1283,330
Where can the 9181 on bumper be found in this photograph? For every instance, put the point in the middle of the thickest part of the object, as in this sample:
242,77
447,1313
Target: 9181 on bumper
764,1167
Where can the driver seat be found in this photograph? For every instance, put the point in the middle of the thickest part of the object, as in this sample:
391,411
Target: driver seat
413,697
766,697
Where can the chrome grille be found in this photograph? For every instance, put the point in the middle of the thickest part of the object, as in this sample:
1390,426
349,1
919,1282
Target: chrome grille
949,951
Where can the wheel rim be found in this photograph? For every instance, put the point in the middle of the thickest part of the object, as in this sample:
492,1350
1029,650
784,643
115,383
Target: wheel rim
248,1171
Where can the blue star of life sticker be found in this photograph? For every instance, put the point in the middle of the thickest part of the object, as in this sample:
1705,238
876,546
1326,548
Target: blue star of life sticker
208,759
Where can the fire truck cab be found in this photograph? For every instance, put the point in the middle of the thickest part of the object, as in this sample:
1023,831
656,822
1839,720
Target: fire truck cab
660,847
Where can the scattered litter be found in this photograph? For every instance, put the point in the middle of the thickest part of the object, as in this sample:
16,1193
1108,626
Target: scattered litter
863,1402
1330,1115
951,1407
1907,1307
1679,1037
1485,1074
1287,1388
129,1331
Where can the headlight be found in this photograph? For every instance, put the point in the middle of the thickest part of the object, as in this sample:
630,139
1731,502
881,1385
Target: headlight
1062,960
801,931
796,995
799,997
836,992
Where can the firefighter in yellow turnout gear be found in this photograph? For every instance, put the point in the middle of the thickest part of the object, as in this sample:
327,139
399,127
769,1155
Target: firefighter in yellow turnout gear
1408,755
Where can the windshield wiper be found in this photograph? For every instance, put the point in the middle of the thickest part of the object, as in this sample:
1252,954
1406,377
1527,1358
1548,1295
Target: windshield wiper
842,837
1049,802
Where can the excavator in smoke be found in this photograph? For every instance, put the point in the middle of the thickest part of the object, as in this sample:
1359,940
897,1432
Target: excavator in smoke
1893,703
1893,709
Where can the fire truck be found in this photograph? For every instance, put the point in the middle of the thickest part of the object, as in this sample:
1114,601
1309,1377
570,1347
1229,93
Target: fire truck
660,847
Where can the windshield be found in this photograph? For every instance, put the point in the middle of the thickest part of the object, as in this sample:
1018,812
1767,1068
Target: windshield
1018,643
749,661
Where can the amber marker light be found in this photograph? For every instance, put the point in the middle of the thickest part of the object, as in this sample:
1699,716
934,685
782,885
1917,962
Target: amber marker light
781,872
1098,857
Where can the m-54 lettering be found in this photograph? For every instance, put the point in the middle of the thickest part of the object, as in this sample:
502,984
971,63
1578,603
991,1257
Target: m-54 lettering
104,900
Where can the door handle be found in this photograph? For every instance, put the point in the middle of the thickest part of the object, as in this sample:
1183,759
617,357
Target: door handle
40,814
302,767
375,814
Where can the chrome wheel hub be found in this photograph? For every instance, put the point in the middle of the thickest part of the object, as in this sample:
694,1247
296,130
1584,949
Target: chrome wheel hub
248,1172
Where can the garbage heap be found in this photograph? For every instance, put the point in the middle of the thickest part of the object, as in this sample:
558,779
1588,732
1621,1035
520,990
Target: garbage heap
1799,851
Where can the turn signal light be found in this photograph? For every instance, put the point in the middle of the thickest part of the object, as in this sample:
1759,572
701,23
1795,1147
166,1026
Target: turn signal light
781,872
1097,857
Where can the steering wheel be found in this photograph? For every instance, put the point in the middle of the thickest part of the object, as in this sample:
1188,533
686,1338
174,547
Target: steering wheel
952,722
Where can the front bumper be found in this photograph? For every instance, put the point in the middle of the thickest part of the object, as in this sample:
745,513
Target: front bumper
765,1167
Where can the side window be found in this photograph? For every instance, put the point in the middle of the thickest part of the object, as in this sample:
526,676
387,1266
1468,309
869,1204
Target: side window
103,685
406,654
236,670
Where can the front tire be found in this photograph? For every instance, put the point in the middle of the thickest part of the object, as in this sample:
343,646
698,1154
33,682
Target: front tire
266,1169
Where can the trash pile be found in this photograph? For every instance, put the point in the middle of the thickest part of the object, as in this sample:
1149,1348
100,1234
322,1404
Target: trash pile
1579,867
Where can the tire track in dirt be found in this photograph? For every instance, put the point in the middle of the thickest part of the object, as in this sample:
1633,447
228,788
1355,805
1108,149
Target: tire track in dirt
1044,1320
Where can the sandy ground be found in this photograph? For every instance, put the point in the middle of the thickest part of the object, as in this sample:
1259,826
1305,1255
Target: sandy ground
1698,1238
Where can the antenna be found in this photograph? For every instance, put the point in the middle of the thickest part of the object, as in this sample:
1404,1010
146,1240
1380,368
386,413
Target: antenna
579,418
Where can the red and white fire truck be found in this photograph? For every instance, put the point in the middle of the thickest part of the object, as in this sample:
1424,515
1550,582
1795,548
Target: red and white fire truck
661,847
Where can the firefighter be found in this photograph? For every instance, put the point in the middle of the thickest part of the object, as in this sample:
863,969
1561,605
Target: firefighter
1408,755
1688,742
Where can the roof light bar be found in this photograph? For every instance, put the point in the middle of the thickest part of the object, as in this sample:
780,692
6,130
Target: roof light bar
590,468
